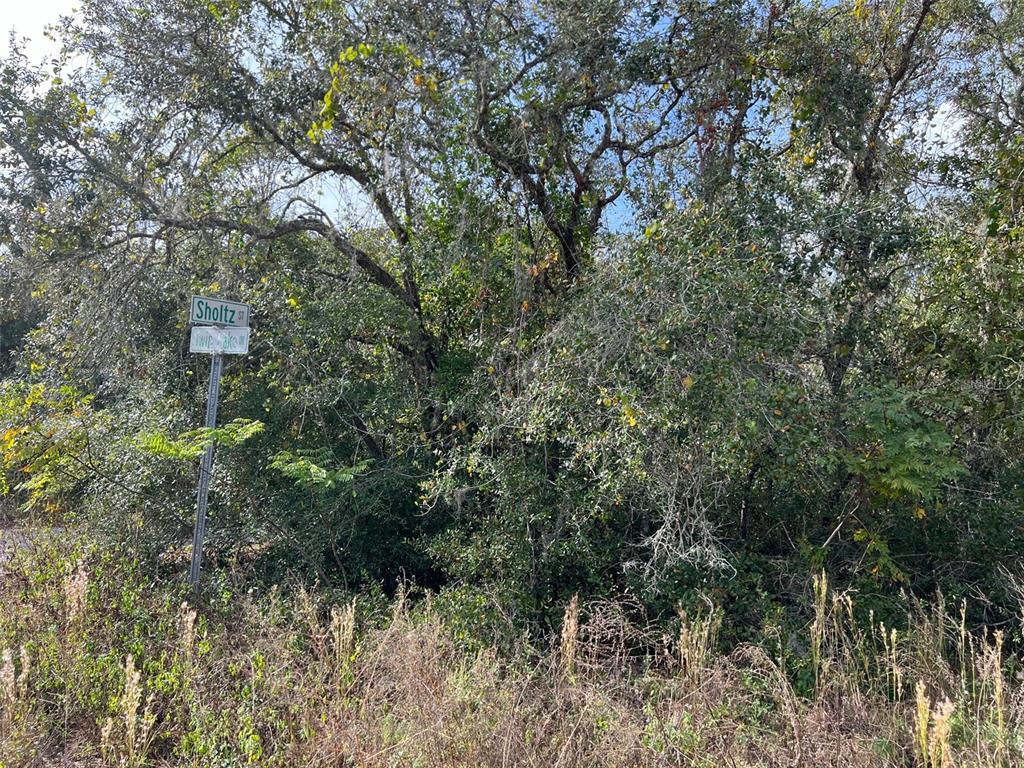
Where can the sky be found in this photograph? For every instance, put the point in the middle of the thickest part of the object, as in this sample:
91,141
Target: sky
28,18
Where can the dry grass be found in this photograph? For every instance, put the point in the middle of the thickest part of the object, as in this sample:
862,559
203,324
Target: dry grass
101,668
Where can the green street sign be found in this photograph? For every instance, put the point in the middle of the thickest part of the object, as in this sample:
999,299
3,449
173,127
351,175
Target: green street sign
207,311
222,328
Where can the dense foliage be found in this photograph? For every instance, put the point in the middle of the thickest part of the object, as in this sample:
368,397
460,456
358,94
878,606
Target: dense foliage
615,297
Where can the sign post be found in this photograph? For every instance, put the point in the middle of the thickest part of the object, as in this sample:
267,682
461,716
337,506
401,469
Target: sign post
205,468
229,335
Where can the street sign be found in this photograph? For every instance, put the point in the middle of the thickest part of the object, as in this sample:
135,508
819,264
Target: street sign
207,311
219,341
224,330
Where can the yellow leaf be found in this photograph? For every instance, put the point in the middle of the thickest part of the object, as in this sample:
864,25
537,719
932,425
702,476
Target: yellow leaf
630,413
920,513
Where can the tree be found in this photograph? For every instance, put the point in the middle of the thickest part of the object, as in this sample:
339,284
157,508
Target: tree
567,296
192,149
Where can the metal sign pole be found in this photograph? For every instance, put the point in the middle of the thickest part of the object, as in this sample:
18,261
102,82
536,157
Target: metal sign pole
205,468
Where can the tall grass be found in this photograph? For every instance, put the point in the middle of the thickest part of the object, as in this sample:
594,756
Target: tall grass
101,666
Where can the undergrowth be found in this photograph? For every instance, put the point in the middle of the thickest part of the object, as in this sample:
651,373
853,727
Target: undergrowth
102,665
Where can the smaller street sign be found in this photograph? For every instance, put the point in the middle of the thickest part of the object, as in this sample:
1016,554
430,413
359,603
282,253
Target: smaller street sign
219,341
209,311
